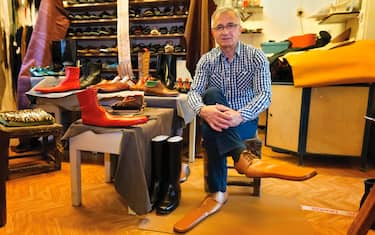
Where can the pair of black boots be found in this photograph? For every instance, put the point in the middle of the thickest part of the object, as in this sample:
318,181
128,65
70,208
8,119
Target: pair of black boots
165,192
166,69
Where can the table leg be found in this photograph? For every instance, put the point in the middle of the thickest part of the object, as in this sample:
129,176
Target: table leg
192,127
4,162
107,167
75,175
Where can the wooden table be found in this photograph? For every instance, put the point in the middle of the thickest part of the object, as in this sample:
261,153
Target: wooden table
6,133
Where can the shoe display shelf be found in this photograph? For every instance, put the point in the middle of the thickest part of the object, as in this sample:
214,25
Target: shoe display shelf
93,25
158,26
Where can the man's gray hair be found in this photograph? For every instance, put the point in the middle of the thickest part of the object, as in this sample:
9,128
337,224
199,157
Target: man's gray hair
222,10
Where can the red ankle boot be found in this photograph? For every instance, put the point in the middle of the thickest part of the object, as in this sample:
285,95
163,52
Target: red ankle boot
71,82
93,114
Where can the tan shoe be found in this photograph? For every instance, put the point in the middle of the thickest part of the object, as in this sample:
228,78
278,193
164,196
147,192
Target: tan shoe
210,205
251,166
157,88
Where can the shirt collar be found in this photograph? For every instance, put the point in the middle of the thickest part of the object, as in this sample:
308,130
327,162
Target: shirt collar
237,52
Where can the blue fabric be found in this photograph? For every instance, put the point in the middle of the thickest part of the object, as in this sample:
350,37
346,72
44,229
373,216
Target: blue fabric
219,144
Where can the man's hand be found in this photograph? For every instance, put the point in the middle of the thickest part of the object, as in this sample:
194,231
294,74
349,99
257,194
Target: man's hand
220,117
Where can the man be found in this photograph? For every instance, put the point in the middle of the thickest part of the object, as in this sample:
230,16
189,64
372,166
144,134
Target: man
231,87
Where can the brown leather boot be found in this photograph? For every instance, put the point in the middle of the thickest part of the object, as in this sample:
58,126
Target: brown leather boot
210,205
251,166
156,88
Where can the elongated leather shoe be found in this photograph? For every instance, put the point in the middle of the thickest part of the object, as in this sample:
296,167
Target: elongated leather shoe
251,166
157,88
210,205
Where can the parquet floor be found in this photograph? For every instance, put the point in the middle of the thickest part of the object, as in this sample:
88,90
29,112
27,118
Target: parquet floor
41,204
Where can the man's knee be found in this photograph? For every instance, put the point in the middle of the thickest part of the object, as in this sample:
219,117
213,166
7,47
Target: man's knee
214,95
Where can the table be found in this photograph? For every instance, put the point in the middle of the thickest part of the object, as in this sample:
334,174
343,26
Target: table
58,102
133,144
6,133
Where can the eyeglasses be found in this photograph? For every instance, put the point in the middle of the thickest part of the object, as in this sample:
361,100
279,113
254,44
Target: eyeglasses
221,27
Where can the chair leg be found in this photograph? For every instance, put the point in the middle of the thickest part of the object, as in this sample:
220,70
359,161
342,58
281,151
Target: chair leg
365,217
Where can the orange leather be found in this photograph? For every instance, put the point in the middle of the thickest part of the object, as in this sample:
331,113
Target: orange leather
301,41
94,114
253,167
71,82
210,205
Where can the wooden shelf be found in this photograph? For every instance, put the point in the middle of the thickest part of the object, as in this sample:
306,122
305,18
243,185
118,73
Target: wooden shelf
158,18
176,35
93,37
144,3
93,21
91,6
339,17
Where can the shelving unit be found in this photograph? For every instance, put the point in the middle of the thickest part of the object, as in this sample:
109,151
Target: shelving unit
165,16
339,17
93,26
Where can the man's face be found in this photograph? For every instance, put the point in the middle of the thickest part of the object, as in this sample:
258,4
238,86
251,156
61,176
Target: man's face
226,30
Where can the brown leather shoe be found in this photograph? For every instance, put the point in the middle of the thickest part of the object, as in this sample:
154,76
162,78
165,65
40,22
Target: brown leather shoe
157,88
140,85
210,205
111,87
251,166
131,102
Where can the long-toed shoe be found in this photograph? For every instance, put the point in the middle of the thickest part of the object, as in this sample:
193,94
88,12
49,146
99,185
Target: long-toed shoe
210,205
251,166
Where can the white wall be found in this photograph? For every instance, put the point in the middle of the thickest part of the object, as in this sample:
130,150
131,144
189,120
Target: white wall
279,20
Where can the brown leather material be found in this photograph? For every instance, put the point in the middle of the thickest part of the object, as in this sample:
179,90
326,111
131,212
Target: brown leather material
251,166
157,88
112,87
131,102
210,205
140,85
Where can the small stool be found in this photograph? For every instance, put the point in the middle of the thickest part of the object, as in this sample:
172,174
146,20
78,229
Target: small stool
6,133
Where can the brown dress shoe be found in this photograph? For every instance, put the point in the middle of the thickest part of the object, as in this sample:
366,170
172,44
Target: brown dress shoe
211,204
131,102
251,166
157,88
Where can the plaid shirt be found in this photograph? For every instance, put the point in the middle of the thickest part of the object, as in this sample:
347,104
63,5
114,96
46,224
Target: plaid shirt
245,82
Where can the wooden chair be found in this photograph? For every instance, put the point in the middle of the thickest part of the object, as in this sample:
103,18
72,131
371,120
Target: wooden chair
365,217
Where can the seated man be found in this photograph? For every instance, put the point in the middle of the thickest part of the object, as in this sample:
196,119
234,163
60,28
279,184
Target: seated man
231,87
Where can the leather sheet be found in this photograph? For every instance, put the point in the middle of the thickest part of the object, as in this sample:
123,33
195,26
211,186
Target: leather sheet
348,64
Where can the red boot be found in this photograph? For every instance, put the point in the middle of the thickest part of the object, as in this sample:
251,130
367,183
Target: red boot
93,114
71,82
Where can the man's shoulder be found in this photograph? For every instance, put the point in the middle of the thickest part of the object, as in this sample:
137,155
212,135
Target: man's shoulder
211,55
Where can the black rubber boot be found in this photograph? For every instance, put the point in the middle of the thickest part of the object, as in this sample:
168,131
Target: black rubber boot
169,70
159,156
171,190
63,54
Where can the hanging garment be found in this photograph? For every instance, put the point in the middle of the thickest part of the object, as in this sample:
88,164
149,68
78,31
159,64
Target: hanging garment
198,20
52,24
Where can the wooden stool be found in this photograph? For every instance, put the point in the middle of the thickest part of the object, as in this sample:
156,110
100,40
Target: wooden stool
6,133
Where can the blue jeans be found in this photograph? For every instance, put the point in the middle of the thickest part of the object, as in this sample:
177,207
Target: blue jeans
219,144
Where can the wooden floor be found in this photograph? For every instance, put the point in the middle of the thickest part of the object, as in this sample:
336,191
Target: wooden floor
41,204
